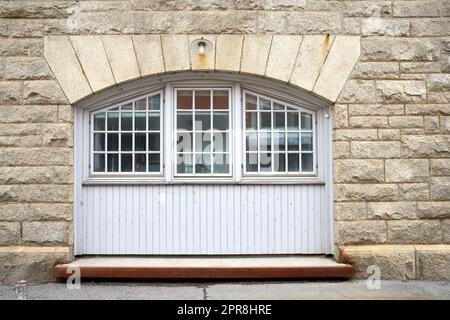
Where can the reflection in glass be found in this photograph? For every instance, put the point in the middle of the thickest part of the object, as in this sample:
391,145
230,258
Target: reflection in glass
251,162
126,162
113,121
221,163
293,162
203,163
220,120
154,102
184,163
139,121
153,121
202,99
278,120
265,141
126,141
99,142
99,162
251,120
202,120
140,162
251,142
293,143
307,162
279,143
153,162
99,121
126,121
279,162
250,102
140,141
141,104
220,99
113,162
184,121
154,142
184,99
306,121
307,142
113,141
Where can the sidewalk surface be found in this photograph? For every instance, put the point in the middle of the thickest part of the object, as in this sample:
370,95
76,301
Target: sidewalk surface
232,290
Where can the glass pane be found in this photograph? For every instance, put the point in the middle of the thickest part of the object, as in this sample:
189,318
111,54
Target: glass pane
265,141
279,143
307,142
251,120
278,106
140,141
307,162
113,141
127,106
220,99
99,162
203,142
221,163
154,103
203,163
251,142
264,104
126,141
126,162
184,99
127,121
99,121
153,162
153,121
202,99
99,142
292,120
113,121
184,163
265,120
265,162
251,162
141,104
113,162
279,162
202,120
220,120
306,121
220,142
154,142
278,121
139,121
250,102
140,162
184,142
293,162
184,121
293,143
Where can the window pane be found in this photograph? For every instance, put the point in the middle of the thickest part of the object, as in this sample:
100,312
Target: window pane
141,104
203,163
99,142
279,162
220,142
153,121
306,121
220,99
154,142
140,163
153,162
250,102
184,142
265,141
203,142
278,121
140,141
279,143
184,163
278,106
292,120
126,162
265,162
99,121
202,120
251,162
113,162
127,121
127,106
221,163
184,99
113,121
307,162
113,141
139,121
307,142
293,143
126,141
264,104
220,120
154,102
251,142
293,162
265,120
251,119
99,162
202,99
184,121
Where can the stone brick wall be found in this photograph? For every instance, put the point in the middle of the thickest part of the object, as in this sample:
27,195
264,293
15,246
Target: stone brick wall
391,122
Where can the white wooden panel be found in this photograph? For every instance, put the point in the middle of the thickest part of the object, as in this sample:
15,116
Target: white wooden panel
202,219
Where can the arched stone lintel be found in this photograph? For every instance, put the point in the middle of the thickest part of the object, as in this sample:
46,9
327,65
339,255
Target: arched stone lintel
84,65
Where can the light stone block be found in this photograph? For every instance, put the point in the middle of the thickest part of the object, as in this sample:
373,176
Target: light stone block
283,53
407,170
255,53
391,210
343,55
149,54
121,57
204,61
175,50
433,262
414,231
434,210
63,62
93,60
353,170
228,52
360,232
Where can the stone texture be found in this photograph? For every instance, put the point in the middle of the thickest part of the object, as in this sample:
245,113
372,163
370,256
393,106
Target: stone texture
430,146
45,233
413,191
10,92
368,122
433,210
255,53
391,49
440,188
149,54
26,68
446,231
359,134
228,52
430,8
43,92
433,262
121,57
411,170
425,231
391,210
175,49
365,192
350,210
28,114
376,70
35,156
35,211
375,149
401,91
440,167
360,232
9,233
376,109
283,52
385,27
47,193
358,171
